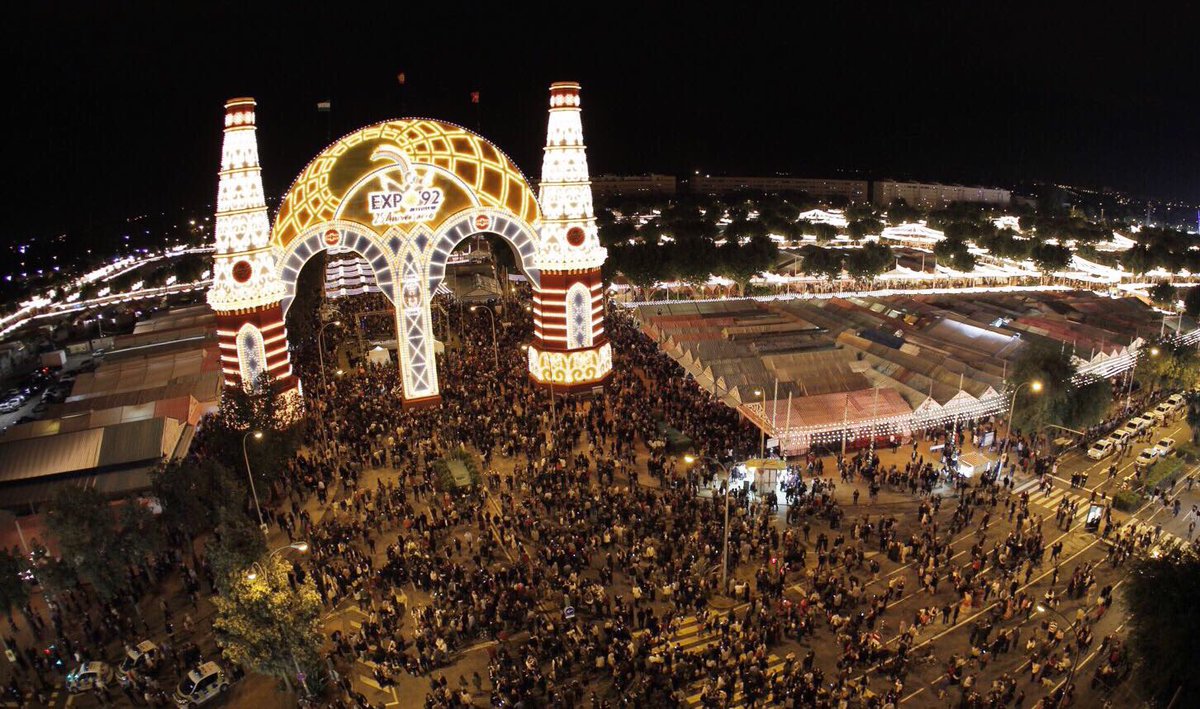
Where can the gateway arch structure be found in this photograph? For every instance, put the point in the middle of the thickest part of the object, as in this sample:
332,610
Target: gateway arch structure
403,194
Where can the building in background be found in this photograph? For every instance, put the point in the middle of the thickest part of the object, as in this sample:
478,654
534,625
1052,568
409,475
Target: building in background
633,184
817,188
935,195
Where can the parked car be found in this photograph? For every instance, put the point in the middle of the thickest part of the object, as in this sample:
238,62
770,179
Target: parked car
1165,446
90,675
1140,423
1101,449
200,685
1146,458
141,659
10,406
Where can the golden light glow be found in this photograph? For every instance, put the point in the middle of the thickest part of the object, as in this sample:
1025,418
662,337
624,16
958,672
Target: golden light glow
1036,386
452,158
570,367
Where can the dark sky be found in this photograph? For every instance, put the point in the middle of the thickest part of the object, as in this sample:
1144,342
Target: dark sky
115,108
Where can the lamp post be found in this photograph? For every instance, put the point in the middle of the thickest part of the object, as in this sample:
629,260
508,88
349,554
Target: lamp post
845,424
250,476
725,545
1035,386
1132,371
321,349
256,569
762,431
324,384
492,317
1070,626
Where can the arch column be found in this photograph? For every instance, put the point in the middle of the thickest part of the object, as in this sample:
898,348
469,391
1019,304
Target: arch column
414,326
570,350
246,293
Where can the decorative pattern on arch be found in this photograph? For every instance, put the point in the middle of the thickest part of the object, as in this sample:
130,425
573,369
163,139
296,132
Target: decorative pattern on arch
252,355
483,221
321,237
579,316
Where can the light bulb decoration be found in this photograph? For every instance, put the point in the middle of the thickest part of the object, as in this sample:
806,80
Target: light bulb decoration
246,290
570,349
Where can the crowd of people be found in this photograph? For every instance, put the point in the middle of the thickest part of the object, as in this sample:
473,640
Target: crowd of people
576,574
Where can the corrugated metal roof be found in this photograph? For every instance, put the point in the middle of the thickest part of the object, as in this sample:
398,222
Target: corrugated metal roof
133,441
38,457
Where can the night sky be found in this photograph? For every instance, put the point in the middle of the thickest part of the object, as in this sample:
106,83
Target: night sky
117,106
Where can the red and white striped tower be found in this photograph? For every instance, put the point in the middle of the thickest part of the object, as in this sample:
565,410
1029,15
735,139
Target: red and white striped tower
570,350
246,291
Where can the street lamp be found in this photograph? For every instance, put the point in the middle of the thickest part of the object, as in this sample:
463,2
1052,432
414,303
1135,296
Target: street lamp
1132,371
1035,386
725,546
1070,627
762,431
492,317
250,476
256,569
321,348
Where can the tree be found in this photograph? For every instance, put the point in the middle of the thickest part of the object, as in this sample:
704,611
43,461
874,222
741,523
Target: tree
693,261
956,253
14,592
819,261
740,263
268,625
237,543
899,212
871,260
824,233
1163,293
1191,302
1193,415
52,574
256,409
98,540
1170,365
1061,401
616,233
641,264
195,494
1164,621
1139,259
859,228
1050,257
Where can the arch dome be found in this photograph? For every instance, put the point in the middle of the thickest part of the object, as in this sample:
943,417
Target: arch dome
384,176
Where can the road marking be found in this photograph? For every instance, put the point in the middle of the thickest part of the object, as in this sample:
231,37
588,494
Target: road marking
970,618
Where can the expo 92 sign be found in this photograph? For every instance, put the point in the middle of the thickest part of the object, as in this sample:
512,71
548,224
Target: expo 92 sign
396,191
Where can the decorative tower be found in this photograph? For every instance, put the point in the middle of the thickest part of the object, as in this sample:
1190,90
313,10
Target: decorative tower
246,290
570,351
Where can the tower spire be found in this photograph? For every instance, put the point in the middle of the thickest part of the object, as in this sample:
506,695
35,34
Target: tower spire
246,289
570,349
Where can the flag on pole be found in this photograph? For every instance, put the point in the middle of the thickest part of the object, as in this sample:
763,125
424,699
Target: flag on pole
401,78
323,106
474,97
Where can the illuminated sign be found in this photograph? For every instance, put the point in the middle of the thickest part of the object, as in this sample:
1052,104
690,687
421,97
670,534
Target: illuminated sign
402,175
404,207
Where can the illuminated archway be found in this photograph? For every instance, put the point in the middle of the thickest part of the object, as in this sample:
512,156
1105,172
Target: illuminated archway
403,194
322,237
